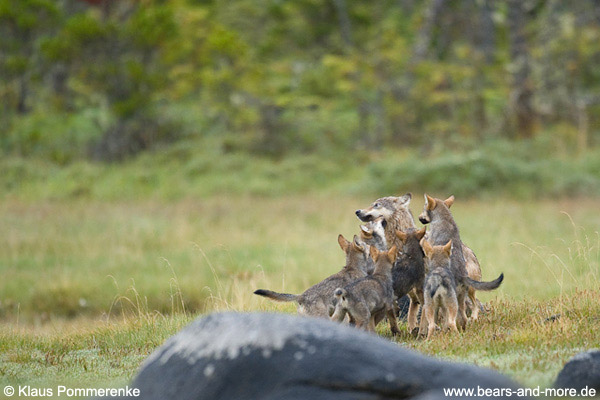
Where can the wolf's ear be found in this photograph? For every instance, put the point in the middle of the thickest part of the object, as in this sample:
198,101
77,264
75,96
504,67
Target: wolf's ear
404,200
448,248
391,254
429,202
427,249
401,235
374,253
421,233
343,242
365,232
449,201
357,245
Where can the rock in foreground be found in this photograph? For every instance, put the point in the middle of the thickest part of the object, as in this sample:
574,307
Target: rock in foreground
276,356
583,370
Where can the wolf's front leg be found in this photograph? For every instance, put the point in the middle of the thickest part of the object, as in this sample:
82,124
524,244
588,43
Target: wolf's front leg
391,315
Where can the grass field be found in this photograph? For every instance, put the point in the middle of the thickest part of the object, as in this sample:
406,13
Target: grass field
89,288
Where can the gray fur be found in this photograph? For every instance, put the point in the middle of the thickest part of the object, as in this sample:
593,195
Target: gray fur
395,211
373,233
442,229
316,300
367,299
439,290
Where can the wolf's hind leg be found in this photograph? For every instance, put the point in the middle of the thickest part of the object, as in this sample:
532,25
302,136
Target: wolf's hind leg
474,304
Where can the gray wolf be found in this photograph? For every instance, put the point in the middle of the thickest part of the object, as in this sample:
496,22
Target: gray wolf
439,290
471,263
373,233
396,213
443,229
396,216
316,300
408,272
363,299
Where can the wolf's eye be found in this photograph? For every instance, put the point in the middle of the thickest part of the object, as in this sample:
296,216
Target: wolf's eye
376,205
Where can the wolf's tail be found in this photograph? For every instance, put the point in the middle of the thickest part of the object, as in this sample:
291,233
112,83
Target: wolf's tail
276,296
487,286
434,283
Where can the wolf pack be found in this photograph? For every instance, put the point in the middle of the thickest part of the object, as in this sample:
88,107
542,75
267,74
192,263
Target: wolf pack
390,259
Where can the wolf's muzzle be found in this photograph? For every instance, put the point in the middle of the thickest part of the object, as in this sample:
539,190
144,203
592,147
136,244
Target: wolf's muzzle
361,215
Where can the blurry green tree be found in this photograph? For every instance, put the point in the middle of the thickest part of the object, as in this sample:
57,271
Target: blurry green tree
118,51
22,24
274,77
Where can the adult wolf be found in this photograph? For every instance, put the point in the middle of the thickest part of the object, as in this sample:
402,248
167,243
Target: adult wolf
396,213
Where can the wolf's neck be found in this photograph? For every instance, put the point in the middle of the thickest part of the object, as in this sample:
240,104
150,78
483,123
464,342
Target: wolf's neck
382,270
353,265
402,220
443,228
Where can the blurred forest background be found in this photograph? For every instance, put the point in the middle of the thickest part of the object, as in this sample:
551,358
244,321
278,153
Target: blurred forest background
111,98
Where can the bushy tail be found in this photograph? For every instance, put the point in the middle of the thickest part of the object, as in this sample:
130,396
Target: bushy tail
434,283
487,286
276,296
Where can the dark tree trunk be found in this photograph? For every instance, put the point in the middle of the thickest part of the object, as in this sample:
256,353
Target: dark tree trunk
483,34
344,21
522,110
22,96
487,31
425,34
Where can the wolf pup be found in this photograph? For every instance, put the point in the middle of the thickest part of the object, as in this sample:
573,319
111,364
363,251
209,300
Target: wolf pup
363,299
373,233
408,273
443,229
440,288
471,263
316,300
396,213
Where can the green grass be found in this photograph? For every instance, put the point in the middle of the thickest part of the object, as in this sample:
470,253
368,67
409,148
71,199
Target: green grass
207,167
528,339
82,353
89,288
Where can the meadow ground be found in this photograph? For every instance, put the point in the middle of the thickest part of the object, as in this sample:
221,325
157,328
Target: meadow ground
90,288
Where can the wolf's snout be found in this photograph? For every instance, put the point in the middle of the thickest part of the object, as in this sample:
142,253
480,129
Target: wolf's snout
358,212
423,220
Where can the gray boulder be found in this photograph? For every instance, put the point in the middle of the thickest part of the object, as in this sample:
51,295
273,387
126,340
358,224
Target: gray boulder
278,356
582,370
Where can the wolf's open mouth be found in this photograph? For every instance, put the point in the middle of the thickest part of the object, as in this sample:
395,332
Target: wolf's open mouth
365,218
